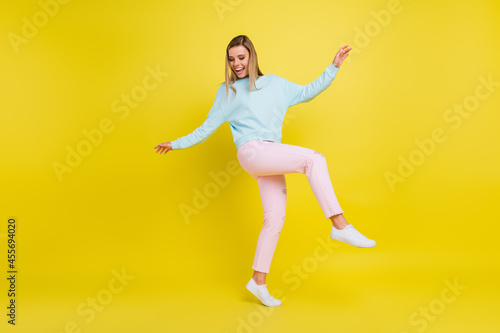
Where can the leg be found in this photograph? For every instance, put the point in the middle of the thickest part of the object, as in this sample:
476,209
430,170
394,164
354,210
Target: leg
262,158
273,196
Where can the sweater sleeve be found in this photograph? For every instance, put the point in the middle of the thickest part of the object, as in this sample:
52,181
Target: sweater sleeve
296,93
214,120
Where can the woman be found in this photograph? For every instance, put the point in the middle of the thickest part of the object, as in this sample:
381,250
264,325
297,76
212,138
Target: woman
256,117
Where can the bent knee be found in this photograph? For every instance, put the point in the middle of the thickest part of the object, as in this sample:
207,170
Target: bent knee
317,154
318,157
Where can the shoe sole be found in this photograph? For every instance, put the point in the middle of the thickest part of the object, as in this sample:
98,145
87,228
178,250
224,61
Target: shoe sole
362,246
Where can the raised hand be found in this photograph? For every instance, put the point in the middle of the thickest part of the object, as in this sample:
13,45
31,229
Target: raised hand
341,55
163,148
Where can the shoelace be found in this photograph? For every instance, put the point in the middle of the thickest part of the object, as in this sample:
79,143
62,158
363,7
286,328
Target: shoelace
265,293
356,233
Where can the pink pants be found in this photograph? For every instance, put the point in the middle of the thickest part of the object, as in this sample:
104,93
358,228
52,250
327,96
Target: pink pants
268,162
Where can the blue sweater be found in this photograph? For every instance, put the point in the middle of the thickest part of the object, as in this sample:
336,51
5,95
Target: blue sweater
258,114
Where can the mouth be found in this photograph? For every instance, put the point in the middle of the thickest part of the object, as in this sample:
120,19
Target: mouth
239,70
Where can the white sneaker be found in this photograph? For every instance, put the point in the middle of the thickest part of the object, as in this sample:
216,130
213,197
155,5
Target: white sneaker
351,236
260,291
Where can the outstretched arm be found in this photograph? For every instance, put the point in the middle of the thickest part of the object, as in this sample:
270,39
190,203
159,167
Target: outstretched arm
297,93
214,119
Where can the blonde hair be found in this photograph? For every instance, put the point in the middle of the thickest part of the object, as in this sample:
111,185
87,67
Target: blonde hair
253,65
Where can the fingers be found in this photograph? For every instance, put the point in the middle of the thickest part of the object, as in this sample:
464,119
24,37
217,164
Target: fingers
344,52
343,48
161,149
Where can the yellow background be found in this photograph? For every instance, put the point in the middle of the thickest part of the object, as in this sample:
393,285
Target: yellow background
120,208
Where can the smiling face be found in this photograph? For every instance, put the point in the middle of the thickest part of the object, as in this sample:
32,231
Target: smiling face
238,60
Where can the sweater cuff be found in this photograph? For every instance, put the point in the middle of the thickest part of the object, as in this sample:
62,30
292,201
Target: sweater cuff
332,69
